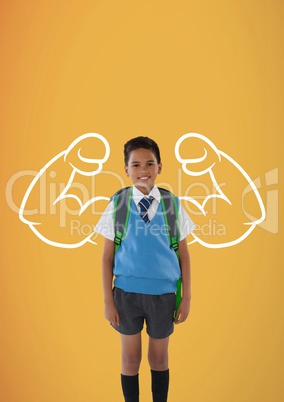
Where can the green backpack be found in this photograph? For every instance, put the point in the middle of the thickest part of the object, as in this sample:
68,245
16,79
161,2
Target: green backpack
122,200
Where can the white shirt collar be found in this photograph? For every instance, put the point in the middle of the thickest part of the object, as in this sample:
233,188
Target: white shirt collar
137,194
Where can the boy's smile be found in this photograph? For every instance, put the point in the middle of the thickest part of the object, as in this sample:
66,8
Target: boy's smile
143,169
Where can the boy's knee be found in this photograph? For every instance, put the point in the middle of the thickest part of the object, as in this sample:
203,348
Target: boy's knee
158,362
131,360
131,363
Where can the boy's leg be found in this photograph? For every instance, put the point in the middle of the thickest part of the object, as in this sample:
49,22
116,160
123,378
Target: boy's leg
131,358
158,361
131,353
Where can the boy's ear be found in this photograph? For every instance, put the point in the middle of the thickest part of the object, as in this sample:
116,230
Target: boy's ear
159,168
126,170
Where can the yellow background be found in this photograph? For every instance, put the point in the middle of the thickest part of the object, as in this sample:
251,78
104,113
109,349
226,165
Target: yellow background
121,69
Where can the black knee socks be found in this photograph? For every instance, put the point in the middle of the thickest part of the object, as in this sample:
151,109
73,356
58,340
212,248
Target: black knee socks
130,387
160,385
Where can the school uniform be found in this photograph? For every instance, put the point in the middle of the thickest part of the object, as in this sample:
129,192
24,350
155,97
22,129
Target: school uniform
146,268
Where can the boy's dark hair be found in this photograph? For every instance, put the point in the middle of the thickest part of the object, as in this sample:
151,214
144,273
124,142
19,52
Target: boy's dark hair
141,142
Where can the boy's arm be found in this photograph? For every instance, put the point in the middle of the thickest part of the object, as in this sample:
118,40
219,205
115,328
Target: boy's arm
111,312
184,261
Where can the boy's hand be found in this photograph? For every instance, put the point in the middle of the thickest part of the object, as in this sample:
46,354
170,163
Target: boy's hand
111,314
183,311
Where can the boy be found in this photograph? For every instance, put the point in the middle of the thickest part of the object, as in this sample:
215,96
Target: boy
146,271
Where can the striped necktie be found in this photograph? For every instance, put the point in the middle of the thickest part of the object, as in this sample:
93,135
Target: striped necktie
145,203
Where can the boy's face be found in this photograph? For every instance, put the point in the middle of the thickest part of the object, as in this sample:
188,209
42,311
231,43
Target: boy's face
143,169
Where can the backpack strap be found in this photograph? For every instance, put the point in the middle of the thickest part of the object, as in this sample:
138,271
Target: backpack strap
170,210
122,200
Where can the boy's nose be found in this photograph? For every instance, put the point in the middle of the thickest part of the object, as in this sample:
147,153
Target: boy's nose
144,171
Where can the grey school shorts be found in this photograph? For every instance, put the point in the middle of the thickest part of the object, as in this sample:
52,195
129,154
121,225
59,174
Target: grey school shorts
134,308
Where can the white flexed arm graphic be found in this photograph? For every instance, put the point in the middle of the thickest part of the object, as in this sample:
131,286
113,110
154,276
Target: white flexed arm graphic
200,166
72,157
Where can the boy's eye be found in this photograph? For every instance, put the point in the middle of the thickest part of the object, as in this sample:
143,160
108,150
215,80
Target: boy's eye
135,165
150,164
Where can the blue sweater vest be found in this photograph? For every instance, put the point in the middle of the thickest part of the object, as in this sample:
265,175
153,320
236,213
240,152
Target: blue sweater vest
145,262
